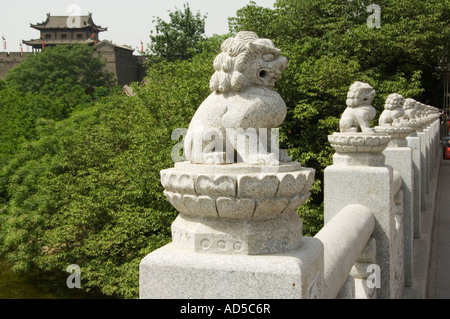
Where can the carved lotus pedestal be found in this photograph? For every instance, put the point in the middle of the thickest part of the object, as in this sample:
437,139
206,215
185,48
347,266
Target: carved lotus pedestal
359,149
238,235
237,209
415,126
397,134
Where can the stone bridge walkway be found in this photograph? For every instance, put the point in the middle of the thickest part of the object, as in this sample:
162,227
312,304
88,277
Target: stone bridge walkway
432,250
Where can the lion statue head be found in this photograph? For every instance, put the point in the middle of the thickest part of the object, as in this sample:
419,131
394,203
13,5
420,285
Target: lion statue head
360,93
246,60
394,101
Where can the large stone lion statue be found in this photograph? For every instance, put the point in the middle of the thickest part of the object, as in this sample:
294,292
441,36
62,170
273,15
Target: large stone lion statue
242,104
393,110
359,111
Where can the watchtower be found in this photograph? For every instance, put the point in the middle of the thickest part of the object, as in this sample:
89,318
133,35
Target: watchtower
56,30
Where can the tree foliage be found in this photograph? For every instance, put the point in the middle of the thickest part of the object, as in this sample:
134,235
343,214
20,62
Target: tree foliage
179,38
49,85
87,190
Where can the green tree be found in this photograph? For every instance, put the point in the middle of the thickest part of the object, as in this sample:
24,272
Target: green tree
87,191
179,38
61,70
48,85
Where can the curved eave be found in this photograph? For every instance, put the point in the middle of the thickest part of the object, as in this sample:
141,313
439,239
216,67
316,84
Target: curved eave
43,27
38,42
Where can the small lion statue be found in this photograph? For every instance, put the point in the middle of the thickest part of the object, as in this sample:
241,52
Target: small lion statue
409,106
393,110
242,106
359,111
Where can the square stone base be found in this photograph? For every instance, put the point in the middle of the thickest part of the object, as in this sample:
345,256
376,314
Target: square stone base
173,272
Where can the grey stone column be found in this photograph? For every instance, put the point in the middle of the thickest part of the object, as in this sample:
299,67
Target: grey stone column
414,143
399,155
423,166
359,176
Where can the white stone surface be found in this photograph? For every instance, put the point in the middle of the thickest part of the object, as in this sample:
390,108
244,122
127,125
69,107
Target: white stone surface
396,133
428,163
399,156
409,106
359,149
365,287
414,144
344,238
243,237
236,191
372,184
172,272
423,167
348,289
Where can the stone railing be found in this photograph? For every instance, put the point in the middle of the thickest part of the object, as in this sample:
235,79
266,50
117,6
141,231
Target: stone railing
388,171
344,239
238,234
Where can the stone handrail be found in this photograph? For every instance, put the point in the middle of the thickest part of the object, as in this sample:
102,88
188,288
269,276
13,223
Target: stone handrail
344,238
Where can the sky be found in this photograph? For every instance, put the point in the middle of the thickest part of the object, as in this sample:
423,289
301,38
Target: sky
129,22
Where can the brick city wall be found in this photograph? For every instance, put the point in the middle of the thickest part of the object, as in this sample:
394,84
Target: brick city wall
9,60
125,66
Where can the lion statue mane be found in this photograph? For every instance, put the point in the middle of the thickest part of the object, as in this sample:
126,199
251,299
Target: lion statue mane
242,97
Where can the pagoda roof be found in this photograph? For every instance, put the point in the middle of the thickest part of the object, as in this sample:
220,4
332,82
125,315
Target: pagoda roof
37,43
60,22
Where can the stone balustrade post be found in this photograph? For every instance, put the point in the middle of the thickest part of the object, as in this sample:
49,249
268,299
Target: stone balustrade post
423,166
359,176
436,139
437,135
238,234
399,155
414,142
428,153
